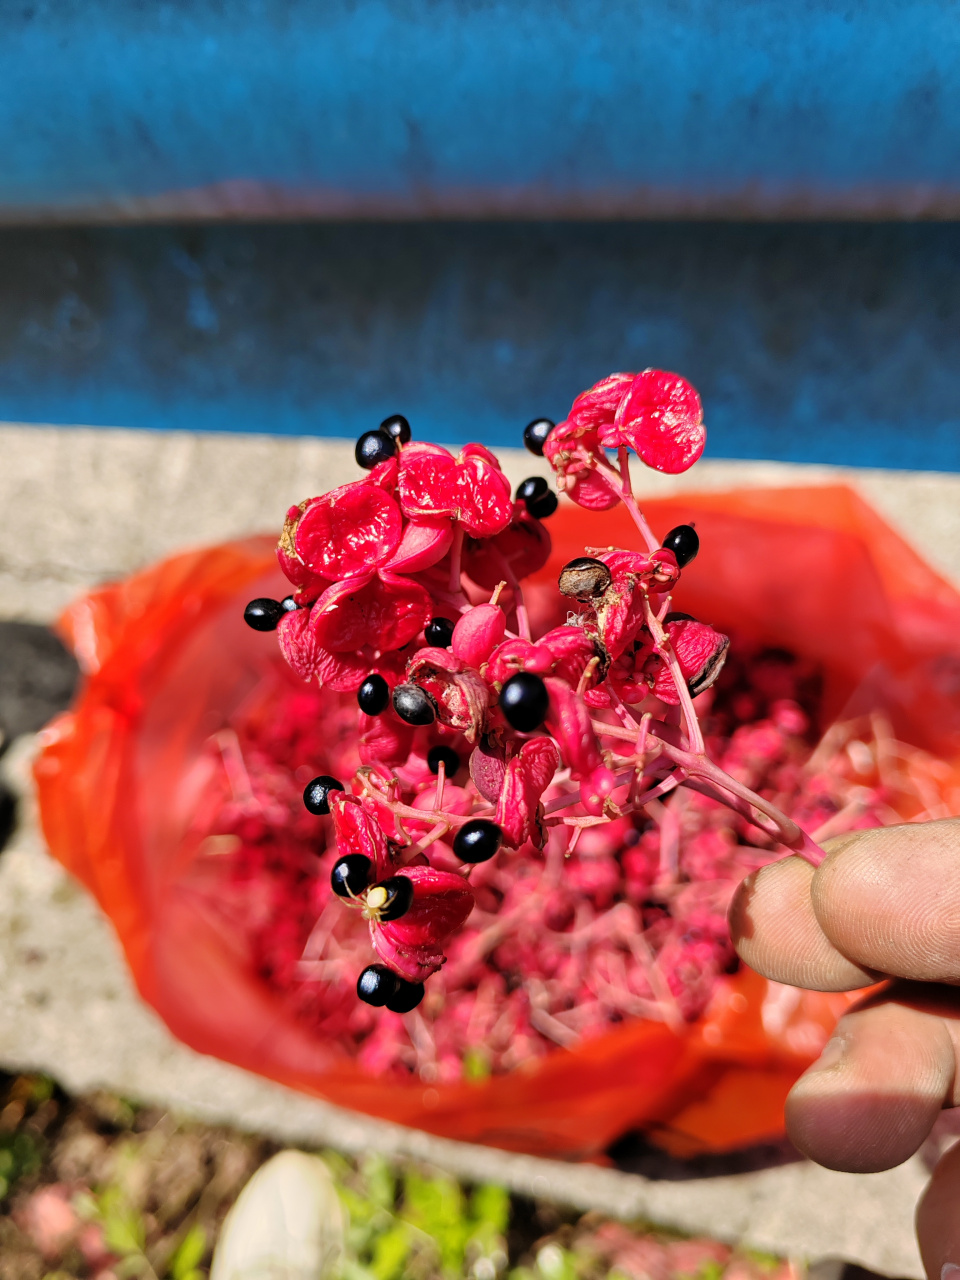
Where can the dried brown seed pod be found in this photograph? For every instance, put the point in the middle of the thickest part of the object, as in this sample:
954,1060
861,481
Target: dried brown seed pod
584,578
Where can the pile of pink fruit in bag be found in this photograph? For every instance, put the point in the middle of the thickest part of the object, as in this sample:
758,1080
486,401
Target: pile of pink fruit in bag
503,836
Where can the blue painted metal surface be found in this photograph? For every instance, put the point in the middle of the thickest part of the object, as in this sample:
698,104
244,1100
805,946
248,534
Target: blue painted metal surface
808,343
478,107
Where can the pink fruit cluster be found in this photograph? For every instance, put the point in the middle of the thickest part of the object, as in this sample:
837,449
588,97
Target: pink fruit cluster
477,738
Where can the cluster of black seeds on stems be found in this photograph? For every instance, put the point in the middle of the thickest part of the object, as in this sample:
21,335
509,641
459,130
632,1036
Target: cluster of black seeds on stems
523,700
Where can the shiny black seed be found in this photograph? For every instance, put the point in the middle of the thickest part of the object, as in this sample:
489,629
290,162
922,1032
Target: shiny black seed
373,696
316,794
438,632
377,984
535,434
374,447
289,605
451,761
263,614
684,542
532,488
678,617
399,891
524,701
406,997
351,874
396,427
477,840
544,507
413,705
584,578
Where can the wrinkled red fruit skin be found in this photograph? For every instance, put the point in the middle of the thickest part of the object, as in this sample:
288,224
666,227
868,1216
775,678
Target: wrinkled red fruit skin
526,778
356,831
661,418
700,651
413,945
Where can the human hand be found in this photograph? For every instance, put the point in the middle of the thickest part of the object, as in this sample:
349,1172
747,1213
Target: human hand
884,903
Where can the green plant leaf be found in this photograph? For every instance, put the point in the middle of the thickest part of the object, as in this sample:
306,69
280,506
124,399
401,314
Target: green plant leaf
189,1254
390,1252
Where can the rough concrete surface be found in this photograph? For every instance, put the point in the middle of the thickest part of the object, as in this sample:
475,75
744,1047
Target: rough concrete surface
78,506
68,1008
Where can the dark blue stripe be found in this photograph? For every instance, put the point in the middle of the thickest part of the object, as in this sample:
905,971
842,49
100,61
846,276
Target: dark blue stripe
809,343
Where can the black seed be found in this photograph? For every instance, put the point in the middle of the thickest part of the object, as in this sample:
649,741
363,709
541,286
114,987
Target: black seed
413,705
584,578
397,428
477,840
524,701
289,605
684,542
374,447
544,507
451,761
377,984
316,794
532,488
678,617
406,997
399,891
535,434
438,632
373,696
351,874
263,614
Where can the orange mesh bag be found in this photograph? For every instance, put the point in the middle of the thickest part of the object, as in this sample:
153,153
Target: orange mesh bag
169,663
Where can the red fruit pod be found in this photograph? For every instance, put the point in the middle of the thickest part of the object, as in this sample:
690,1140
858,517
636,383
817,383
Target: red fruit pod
565,652
461,696
701,652
385,739
526,778
356,831
569,722
426,485
384,613
506,660
422,544
524,546
477,634
661,418
484,502
488,768
576,476
342,672
296,571
413,945
347,532
597,407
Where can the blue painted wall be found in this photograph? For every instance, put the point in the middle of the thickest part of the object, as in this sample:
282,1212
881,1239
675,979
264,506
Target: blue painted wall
472,107
809,343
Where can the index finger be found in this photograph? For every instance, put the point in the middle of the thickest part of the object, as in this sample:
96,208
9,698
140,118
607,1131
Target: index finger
885,901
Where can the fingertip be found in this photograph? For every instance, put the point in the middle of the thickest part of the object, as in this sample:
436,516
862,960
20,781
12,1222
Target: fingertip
938,1220
776,932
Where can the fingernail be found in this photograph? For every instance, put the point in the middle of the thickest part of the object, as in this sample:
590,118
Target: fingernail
949,1271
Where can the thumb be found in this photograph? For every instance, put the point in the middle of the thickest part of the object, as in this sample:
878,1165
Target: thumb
938,1220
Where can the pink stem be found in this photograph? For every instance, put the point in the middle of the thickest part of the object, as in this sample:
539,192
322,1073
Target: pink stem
622,488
